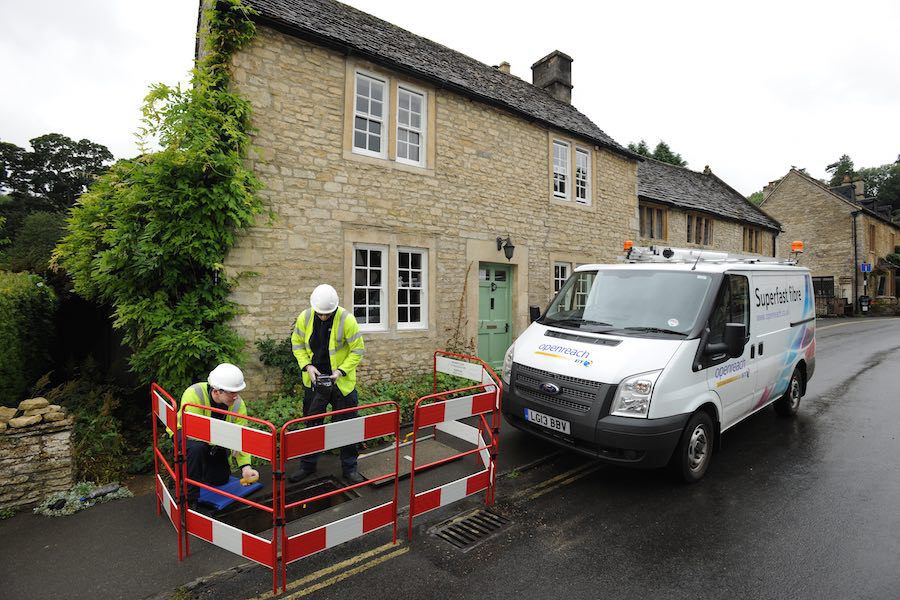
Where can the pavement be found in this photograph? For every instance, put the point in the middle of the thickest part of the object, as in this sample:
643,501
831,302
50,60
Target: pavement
122,549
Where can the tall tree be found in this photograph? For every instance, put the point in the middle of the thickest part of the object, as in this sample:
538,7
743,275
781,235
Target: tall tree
843,167
662,152
54,173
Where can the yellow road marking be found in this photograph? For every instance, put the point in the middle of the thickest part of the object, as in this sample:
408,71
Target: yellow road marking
346,574
328,570
552,480
555,486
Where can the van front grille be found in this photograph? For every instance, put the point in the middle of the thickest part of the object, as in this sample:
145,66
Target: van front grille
575,393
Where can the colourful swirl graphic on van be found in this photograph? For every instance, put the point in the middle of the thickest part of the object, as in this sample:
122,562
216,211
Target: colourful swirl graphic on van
802,343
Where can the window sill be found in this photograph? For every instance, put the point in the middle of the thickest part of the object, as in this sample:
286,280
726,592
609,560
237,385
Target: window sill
570,204
387,163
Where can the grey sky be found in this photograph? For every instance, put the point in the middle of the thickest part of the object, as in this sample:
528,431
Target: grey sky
747,88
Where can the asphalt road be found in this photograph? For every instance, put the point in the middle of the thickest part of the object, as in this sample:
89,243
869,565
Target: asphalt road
791,508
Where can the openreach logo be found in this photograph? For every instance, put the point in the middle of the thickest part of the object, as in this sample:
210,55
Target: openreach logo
581,357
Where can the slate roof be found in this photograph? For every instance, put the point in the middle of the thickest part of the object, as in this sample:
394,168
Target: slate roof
690,190
349,30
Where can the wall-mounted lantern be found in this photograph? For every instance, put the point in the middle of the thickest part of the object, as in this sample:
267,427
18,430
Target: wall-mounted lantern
506,245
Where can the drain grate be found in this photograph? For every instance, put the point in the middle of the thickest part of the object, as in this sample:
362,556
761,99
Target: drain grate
467,531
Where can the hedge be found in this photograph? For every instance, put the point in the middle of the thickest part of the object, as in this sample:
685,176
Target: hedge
27,309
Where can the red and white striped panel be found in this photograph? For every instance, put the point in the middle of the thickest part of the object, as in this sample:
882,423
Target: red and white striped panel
232,539
451,492
164,411
336,533
171,508
337,434
228,435
469,434
458,408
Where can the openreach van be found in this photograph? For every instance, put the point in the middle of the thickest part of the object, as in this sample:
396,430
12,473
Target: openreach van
646,363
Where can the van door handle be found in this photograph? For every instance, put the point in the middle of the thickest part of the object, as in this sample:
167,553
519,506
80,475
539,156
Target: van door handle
760,348
752,351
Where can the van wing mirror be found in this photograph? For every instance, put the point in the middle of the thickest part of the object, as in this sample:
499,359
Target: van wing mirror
534,313
735,340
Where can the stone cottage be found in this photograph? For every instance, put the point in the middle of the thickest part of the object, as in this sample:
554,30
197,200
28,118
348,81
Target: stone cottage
440,196
691,209
840,233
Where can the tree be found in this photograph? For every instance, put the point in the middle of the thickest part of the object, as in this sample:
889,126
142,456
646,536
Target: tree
34,242
662,153
840,169
756,198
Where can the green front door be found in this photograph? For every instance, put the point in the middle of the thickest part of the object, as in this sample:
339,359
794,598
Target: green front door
494,312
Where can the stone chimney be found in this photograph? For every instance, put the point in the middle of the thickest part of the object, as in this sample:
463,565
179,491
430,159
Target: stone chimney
707,170
554,74
859,189
503,67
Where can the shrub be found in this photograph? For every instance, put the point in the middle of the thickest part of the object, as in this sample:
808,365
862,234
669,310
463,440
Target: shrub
34,242
27,307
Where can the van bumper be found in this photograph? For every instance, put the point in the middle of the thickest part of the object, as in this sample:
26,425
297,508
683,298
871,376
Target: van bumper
638,443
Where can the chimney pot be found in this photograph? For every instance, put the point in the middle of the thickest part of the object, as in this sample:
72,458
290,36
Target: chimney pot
553,73
503,67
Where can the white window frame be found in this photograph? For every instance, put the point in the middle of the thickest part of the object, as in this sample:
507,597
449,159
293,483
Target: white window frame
584,184
384,305
562,171
557,281
384,120
422,323
421,130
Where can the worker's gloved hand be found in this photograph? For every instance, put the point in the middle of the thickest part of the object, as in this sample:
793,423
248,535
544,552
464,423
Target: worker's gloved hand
248,475
313,373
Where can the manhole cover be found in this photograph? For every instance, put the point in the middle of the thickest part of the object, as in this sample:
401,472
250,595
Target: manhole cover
468,530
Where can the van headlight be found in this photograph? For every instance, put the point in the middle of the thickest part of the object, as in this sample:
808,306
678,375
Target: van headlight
633,397
507,365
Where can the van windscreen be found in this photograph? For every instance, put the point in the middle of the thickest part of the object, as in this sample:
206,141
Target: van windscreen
641,301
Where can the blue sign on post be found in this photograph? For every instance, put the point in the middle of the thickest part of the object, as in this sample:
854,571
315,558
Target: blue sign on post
865,267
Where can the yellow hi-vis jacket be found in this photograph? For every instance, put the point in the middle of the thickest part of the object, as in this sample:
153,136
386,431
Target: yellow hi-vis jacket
345,347
199,394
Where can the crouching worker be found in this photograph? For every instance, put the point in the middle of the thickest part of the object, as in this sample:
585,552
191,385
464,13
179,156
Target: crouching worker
328,346
207,463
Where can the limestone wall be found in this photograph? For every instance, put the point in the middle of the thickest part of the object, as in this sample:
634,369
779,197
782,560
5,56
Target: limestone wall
35,455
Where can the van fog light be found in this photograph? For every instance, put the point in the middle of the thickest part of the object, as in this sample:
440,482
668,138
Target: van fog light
633,397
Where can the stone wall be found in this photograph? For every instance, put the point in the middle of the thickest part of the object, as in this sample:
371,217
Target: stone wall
488,174
728,236
35,454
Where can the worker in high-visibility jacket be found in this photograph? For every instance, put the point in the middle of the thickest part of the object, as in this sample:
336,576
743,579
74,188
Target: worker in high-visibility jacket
209,463
328,346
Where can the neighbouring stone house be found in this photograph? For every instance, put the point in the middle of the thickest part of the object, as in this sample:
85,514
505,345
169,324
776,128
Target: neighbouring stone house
439,195
693,209
839,234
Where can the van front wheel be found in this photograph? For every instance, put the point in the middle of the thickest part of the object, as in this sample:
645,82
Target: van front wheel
787,405
694,451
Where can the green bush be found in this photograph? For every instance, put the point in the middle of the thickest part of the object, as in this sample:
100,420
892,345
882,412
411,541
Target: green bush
34,242
27,308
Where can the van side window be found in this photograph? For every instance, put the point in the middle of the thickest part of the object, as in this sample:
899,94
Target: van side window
732,306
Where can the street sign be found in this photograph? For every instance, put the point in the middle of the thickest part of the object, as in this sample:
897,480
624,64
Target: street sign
865,267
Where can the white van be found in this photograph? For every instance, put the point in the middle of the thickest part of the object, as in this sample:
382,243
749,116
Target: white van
646,363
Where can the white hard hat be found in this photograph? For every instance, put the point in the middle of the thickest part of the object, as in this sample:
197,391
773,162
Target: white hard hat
324,299
227,377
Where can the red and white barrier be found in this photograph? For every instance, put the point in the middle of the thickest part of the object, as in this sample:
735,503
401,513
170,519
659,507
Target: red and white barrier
327,436
258,443
165,409
444,415
231,538
338,532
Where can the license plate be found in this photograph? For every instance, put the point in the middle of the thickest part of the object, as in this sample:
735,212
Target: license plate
547,421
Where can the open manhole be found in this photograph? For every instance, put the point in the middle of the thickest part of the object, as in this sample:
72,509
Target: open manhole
254,520
468,530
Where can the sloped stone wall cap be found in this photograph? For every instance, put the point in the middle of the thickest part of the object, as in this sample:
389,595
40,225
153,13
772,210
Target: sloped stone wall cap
7,413
54,416
36,412
20,422
33,403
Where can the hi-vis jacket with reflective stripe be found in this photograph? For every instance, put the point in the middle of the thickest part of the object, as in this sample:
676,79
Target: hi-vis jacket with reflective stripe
345,347
199,394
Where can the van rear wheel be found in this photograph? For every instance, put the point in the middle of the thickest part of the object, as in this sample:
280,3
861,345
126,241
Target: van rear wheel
787,405
694,451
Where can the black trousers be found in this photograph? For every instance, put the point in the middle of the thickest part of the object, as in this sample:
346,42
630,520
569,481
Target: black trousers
316,403
207,464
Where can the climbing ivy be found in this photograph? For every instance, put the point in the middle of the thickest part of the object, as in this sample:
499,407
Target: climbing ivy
149,238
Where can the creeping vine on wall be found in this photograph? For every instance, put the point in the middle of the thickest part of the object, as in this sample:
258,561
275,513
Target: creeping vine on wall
149,238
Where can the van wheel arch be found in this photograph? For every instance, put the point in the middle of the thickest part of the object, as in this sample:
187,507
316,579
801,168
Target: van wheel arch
693,453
